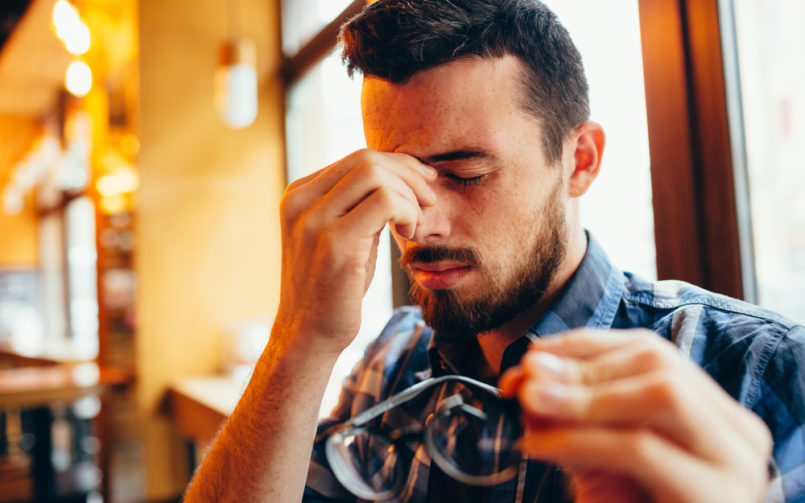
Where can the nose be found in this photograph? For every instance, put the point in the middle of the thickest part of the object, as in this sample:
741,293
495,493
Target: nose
435,225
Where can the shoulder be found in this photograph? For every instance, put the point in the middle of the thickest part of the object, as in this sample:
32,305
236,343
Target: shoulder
783,381
732,340
676,306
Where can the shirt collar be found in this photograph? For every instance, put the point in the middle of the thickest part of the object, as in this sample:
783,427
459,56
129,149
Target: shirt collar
590,299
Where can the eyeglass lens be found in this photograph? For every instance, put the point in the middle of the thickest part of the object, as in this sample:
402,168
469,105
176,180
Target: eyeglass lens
476,442
372,462
473,439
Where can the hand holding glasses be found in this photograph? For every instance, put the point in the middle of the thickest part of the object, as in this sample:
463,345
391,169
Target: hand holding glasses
472,436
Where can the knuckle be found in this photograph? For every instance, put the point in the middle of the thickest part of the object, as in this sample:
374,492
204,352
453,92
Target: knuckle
293,185
384,197
308,226
658,351
288,207
642,445
367,155
668,389
369,169
358,155
655,356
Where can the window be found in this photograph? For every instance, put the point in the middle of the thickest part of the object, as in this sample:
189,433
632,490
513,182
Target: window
770,39
618,207
302,20
323,118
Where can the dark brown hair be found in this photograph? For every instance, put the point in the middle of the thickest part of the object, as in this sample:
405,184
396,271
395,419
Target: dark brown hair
394,39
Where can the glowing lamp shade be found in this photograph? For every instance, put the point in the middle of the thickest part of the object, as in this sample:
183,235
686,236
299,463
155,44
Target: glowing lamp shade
236,83
79,78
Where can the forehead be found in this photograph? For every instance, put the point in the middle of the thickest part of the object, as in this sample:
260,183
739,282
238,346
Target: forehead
476,101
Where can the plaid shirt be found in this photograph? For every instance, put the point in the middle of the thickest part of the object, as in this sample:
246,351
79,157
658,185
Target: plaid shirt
752,353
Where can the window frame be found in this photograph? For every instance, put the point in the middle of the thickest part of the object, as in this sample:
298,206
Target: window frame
699,189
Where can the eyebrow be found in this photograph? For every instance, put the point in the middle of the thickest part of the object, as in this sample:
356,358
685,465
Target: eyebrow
457,155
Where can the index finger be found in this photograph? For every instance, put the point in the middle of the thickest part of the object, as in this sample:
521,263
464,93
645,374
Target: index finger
319,183
587,343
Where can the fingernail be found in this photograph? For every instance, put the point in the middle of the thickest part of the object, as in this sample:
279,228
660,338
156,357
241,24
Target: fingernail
546,364
546,397
427,170
554,394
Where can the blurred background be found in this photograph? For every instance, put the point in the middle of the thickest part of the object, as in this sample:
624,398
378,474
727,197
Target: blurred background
145,145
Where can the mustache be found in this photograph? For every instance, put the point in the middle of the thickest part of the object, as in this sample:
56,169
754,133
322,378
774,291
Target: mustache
436,253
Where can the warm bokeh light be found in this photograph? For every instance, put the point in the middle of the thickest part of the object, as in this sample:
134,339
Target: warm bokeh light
77,40
64,15
70,28
13,201
115,184
114,204
236,83
129,145
79,78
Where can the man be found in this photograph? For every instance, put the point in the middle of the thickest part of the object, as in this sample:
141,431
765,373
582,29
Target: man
476,118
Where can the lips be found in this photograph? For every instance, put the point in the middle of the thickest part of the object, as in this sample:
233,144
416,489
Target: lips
439,275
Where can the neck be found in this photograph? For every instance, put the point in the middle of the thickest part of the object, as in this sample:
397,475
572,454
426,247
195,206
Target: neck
494,342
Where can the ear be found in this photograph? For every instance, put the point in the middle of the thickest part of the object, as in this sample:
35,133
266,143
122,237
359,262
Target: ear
588,147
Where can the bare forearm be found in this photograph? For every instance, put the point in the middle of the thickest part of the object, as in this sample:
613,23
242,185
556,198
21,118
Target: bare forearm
263,451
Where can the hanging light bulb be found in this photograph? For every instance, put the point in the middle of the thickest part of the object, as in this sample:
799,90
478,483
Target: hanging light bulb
236,83
79,78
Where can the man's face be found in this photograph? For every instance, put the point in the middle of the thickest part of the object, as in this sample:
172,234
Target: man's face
489,247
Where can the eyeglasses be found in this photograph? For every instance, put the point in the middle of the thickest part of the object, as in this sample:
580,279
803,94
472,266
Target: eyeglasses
472,436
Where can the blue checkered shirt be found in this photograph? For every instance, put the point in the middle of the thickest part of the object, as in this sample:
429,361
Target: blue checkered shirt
757,356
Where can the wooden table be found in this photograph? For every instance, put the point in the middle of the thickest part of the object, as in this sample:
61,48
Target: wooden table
200,405
37,386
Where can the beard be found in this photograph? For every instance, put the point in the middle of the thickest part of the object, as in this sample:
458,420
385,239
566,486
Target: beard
451,315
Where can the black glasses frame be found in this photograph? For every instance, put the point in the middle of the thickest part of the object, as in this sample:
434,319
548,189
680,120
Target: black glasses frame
360,424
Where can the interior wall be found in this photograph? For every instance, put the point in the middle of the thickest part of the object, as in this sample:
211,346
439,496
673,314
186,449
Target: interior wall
17,232
208,251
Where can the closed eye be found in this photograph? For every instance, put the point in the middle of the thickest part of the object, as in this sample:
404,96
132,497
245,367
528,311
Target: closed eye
464,182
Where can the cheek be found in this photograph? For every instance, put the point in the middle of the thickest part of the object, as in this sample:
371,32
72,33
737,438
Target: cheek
495,225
